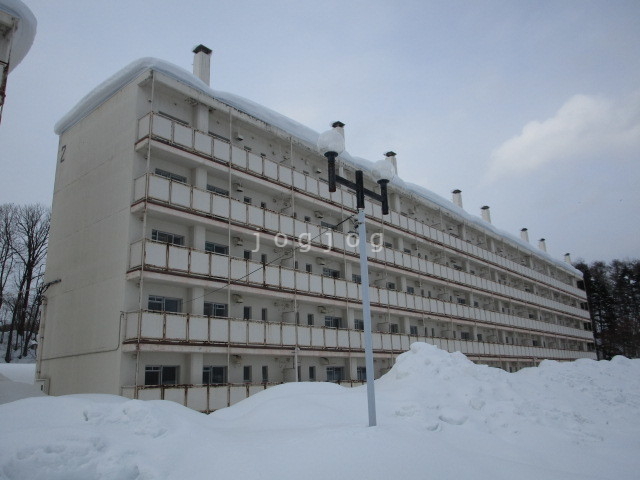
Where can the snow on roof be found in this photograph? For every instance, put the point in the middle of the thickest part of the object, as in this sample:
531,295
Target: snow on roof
25,33
304,134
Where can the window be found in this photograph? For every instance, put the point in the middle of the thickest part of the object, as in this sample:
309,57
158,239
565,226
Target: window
335,374
312,374
218,190
263,204
391,285
413,330
407,250
310,319
263,258
328,225
332,322
411,290
246,314
461,301
216,248
264,315
167,237
265,374
309,268
358,324
388,244
247,254
356,278
212,375
329,272
307,218
171,176
164,304
393,328
161,375
246,374
248,200
361,373
216,309
465,336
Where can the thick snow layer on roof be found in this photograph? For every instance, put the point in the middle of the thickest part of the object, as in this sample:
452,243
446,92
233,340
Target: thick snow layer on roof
25,33
304,134
439,416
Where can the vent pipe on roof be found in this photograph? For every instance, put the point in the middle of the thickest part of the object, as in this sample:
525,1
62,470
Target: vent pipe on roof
456,197
542,244
391,157
524,235
486,214
202,63
567,258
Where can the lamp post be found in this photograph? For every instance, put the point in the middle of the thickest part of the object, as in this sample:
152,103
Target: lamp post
331,144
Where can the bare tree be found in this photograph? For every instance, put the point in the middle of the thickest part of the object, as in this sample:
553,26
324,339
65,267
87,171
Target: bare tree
7,216
30,249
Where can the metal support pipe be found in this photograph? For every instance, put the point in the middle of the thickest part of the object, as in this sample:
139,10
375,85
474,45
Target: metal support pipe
331,158
366,311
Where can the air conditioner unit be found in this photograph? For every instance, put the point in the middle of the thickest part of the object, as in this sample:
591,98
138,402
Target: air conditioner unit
237,298
321,261
238,187
238,136
318,214
238,241
318,170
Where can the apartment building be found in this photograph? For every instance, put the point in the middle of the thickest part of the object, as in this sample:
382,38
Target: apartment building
17,31
202,258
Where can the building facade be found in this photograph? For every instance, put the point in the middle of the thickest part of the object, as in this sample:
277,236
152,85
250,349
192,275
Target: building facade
201,257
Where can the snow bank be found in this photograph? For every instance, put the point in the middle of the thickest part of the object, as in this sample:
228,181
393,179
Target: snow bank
307,136
439,416
25,33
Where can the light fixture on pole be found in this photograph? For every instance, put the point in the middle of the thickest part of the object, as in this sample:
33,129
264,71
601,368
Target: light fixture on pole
331,144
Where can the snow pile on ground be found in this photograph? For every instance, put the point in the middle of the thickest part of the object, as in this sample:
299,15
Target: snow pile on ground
439,416
16,382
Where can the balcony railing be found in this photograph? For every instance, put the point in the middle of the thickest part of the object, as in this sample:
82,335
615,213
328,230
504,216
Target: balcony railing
165,129
183,260
153,327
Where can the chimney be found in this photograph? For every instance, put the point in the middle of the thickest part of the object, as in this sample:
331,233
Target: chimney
524,235
567,258
202,63
542,245
391,156
486,214
456,197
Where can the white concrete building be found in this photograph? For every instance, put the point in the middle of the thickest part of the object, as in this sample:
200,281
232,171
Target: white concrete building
172,203
17,30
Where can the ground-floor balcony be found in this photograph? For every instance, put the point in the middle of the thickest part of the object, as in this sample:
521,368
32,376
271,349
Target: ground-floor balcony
185,332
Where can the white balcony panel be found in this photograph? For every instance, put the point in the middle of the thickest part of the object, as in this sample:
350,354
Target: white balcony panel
323,190
131,326
238,331
135,255
317,337
152,325
315,284
256,216
300,228
355,339
386,341
383,296
404,223
284,174
140,188
288,334
218,397
238,211
178,258
314,233
175,327
286,225
161,127
271,169
143,126
273,334
198,329
220,206
221,150
271,221
302,281
203,143
331,337
341,288
374,294
312,186
349,200
343,338
392,298
328,286
182,135
197,398
304,336
201,200
159,188
150,394
256,333
255,163
376,340
256,273
180,194
237,393
199,263
287,278
336,196
238,268
156,254
219,266
299,181
219,329
272,276
239,157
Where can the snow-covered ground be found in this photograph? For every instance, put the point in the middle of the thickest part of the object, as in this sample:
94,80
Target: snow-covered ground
439,416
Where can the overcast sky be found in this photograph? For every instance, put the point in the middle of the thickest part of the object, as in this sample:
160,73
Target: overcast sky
530,107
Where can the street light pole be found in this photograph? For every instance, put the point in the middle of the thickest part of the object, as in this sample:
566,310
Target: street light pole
331,144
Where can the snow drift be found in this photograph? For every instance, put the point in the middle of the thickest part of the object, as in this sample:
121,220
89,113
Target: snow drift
439,415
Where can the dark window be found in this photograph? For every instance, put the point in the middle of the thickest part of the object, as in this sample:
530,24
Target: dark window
333,322
411,290
247,254
413,330
218,190
246,313
356,278
265,374
248,200
265,314
310,319
329,272
161,375
393,328
171,176
164,304
312,374
212,375
361,372
167,237
216,248
216,309
263,258
358,324
309,268
335,374
246,374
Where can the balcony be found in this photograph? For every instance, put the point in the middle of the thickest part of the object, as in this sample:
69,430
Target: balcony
163,129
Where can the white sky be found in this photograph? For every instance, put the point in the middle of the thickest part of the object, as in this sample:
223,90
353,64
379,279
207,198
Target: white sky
530,107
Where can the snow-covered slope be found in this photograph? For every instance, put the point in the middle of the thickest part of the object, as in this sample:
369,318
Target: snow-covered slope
439,416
